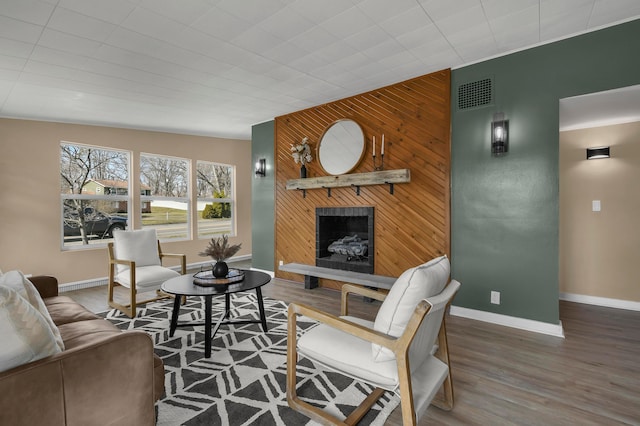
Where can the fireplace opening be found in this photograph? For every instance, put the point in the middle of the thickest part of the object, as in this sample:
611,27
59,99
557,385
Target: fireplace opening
345,238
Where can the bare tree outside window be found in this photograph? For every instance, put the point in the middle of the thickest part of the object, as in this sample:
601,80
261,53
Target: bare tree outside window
83,171
215,198
167,177
168,180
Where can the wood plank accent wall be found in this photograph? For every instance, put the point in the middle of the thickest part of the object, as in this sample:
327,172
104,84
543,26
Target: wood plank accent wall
411,226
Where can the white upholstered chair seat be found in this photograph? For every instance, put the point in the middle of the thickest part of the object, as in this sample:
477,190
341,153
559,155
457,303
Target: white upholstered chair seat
355,360
354,357
147,277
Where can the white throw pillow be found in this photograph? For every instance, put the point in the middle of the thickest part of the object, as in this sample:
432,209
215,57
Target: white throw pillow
26,336
140,246
16,280
410,288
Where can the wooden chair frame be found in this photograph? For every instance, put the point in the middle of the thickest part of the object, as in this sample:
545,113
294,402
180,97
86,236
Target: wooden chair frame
130,308
399,346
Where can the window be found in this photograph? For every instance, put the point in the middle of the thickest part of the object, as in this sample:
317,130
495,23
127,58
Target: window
90,211
216,205
164,183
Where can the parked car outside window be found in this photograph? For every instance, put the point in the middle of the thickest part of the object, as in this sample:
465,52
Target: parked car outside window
98,224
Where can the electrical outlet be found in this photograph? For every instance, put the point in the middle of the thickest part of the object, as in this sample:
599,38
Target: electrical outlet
281,263
495,297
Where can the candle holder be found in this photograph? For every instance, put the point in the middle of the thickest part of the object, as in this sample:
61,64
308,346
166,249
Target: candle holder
377,167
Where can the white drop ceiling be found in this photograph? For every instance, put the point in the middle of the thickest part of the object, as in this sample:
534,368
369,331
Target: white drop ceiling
217,67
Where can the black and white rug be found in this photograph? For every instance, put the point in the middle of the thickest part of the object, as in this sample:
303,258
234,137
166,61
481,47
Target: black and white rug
244,381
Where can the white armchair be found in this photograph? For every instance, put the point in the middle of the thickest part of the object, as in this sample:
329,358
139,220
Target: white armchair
135,262
404,351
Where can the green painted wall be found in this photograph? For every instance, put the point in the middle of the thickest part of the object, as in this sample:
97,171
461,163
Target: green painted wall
262,198
504,211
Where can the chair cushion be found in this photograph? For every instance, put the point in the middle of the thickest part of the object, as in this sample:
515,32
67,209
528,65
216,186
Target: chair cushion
347,354
25,288
140,246
147,277
26,336
410,288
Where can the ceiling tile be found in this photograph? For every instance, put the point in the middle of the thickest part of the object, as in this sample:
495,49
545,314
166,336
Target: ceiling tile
285,24
604,12
68,42
405,22
152,24
285,53
31,11
444,9
313,39
381,10
367,38
183,11
58,57
18,30
19,49
252,11
221,24
319,11
11,62
70,22
113,11
256,40
347,23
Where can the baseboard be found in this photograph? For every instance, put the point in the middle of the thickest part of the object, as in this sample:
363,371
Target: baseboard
78,285
601,301
509,321
97,282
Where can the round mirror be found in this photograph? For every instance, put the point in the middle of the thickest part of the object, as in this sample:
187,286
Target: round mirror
341,147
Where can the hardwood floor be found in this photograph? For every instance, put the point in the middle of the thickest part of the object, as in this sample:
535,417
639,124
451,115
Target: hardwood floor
504,376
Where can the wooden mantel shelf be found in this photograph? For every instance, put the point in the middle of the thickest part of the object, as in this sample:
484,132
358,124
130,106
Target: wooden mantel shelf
354,179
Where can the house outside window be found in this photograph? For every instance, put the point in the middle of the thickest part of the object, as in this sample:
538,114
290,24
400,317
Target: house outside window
165,187
89,216
216,199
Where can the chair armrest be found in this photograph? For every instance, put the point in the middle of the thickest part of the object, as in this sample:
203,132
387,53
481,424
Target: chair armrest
182,257
47,286
363,291
340,324
399,345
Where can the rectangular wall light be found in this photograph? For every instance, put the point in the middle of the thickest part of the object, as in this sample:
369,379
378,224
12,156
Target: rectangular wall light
598,152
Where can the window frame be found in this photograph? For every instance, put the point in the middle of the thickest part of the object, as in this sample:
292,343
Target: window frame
186,199
209,200
102,242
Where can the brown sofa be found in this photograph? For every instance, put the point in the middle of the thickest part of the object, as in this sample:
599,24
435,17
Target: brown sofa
103,377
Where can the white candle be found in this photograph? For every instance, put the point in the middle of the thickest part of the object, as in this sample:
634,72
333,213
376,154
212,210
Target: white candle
374,146
382,144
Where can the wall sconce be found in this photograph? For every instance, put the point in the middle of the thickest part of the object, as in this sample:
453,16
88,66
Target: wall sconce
261,167
598,152
499,135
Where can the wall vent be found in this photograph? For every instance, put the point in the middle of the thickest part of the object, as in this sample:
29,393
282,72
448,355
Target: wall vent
475,94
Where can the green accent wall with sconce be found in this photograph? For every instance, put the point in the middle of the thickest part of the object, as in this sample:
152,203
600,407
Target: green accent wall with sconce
505,210
262,201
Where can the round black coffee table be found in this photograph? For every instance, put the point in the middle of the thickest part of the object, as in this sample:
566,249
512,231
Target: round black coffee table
184,286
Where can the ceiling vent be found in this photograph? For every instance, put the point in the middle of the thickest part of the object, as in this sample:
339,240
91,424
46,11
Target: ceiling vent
475,94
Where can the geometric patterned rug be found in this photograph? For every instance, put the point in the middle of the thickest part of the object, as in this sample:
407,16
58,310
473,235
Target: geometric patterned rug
244,381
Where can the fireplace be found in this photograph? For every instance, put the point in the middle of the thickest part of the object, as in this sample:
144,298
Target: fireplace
345,238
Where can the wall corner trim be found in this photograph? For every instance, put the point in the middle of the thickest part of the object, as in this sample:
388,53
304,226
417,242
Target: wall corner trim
509,321
601,301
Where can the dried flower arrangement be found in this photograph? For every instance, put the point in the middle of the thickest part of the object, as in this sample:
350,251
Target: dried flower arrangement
301,152
220,250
